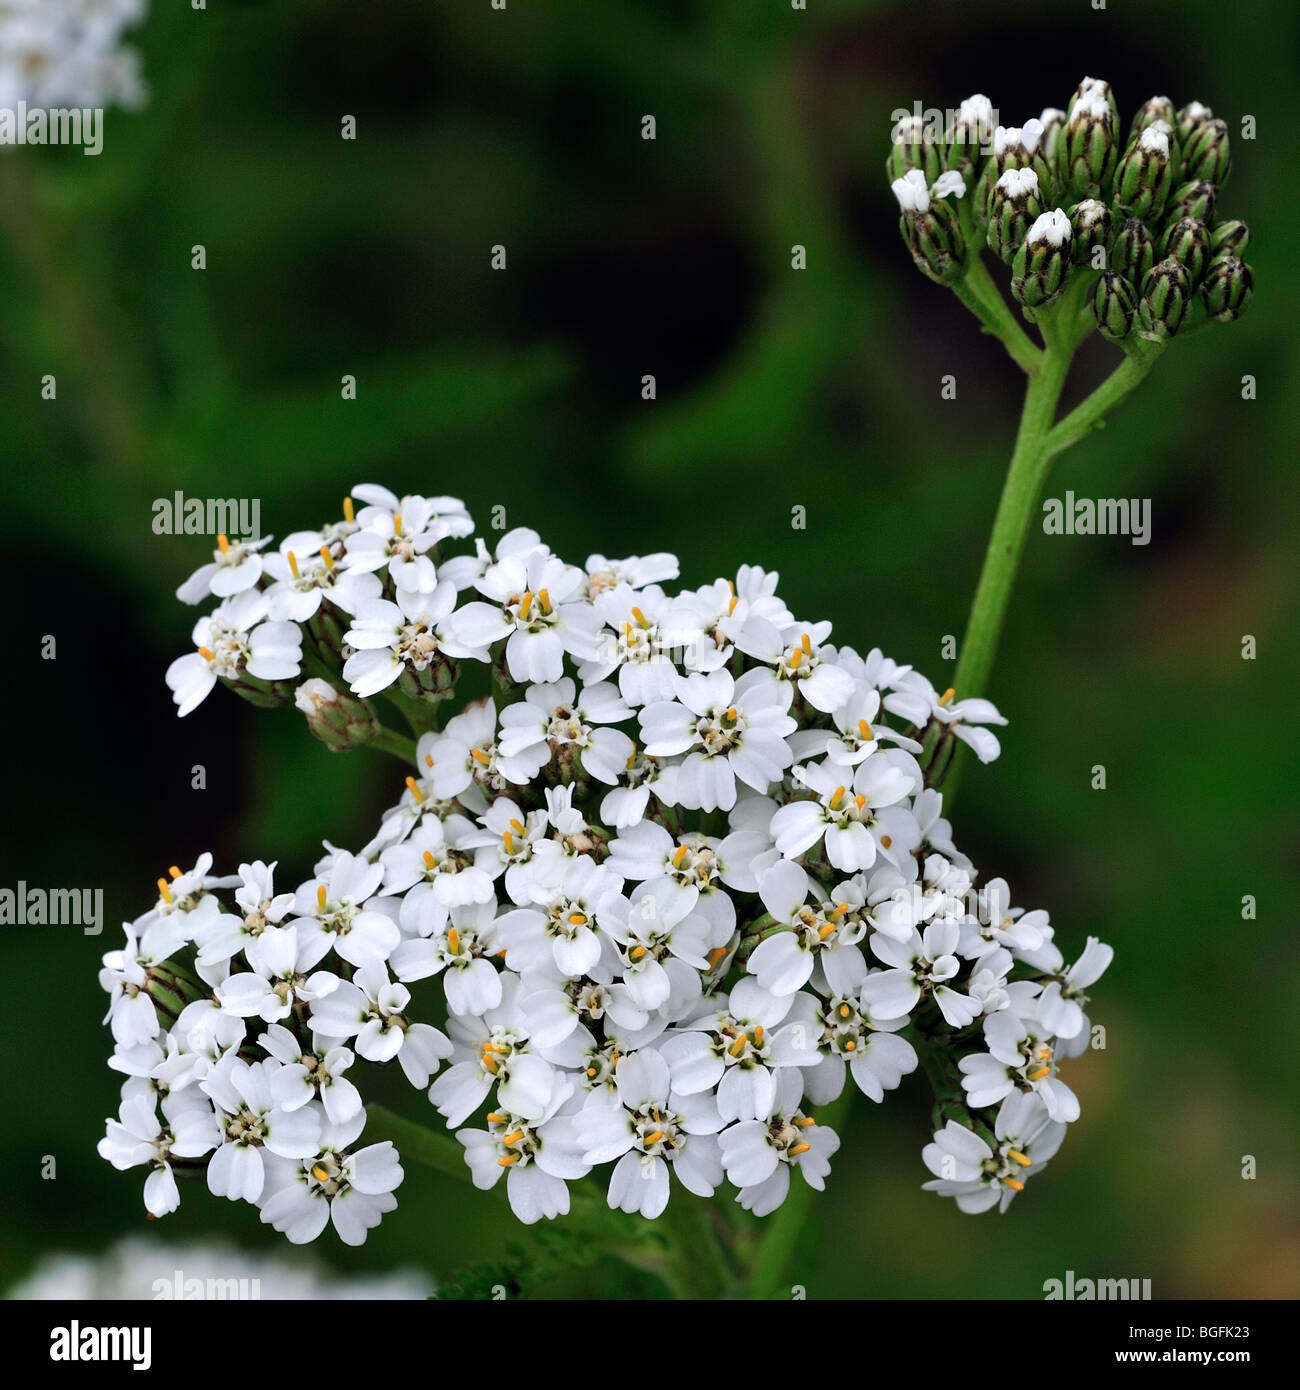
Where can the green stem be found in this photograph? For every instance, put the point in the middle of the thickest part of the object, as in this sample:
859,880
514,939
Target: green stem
770,1278
980,295
389,741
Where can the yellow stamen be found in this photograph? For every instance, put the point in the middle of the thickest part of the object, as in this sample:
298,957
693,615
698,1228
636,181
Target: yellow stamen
758,1035
640,617
321,896
348,515
1014,1184
591,1071
513,1138
544,599
679,855
490,1063
413,787
577,919
293,564
826,931
799,1149
174,871
480,757
864,731
806,643
525,605
496,1118
327,557
731,607
507,1160
508,840
653,1138
636,953
738,1046
716,955
845,1011
860,800
517,826
731,586
164,890
836,798
731,715
1020,1158
223,544
839,912
429,861
428,760
796,657
206,654
320,1172
946,698
453,941
804,1121
1040,1073
850,1046
495,1047
397,523
886,841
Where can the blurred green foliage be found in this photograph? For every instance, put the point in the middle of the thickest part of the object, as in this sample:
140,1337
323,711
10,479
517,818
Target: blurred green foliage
776,389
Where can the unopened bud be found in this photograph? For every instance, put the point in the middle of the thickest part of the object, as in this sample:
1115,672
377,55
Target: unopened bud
341,721
1042,264
1166,292
1114,305
1013,208
1188,242
971,130
1052,120
930,227
1227,288
1229,238
1153,109
1195,198
1189,119
1020,147
1207,153
1088,146
1091,225
1133,251
1144,177
912,146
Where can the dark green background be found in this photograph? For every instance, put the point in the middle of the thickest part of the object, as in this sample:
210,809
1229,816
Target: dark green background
776,388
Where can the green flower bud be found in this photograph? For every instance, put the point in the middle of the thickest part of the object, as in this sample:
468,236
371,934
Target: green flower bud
970,132
1091,225
1165,295
1231,237
1133,252
1145,176
435,682
930,227
1195,198
341,722
981,197
1207,153
1153,109
1114,305
1042,264
1190,119
912,146
1013,208
1049,142
1188,242
1227,288
1019,147
1088,146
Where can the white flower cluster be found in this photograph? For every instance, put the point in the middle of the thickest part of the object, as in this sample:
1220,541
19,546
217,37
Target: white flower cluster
56,53
679,878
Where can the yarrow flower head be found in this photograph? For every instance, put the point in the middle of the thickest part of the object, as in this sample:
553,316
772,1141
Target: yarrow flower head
69,53
671,876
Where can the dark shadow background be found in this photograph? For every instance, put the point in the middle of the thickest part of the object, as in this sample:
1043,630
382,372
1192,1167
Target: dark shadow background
776,388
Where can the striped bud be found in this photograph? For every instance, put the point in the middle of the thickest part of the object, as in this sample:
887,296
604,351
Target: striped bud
913,147
1088,146
1229,238
1133,252
1188,242
1042,264
1114,306
1153,109
1013,208
968,135
1091,225
1207,153
1165,295
1020,147
1189,119
930,227
1145,176
1195,198
1227,288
